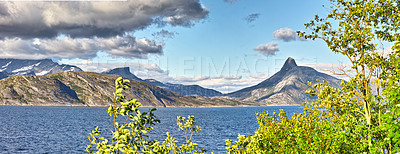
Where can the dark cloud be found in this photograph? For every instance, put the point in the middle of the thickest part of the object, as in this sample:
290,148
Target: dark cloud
285,34
252,17
89,19
3,10
231,1
268,49
164,34
83,48
80,29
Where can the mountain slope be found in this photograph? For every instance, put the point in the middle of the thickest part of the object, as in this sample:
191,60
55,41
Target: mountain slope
286,87
15,67
179,88
93,89
36,90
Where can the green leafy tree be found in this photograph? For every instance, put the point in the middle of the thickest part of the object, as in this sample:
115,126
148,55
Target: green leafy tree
363,114
131,135
391,82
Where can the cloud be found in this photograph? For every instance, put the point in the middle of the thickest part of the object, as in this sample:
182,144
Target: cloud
223,83
128,46
83,48
229,77
36,30
385,52
181,79
330,68
164,34
136,67
268,49
252,17
88,19
231,1
285,34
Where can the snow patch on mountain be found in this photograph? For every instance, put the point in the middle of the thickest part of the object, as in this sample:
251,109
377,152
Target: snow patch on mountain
13,67
26,68
6,64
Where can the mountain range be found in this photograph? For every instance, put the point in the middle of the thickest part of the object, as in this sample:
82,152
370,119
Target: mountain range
94,89
179,88
44,82
13,67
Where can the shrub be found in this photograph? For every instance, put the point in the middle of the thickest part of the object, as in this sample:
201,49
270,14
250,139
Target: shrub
131,135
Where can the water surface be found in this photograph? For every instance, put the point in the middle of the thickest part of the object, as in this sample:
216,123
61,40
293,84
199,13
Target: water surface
65,129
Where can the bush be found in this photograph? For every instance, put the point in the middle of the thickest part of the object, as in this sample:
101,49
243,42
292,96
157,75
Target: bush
131,136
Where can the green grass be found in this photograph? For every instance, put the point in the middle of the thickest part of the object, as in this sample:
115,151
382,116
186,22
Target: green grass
76,88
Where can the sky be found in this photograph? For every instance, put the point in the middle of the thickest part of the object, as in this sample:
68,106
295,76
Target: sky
219,44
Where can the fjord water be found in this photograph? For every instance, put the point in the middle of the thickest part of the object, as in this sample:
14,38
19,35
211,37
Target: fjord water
65,129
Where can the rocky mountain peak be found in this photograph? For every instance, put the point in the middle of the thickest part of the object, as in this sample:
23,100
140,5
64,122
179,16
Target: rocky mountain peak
120,70
124,72
286,87
179,88
13,67
289,63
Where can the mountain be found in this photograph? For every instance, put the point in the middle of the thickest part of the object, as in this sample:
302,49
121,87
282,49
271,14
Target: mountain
3,75
286,87
94,89
36,90
13,67
179,88
123,72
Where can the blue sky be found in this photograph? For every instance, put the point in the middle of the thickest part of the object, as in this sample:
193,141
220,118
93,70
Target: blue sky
226,34
214,43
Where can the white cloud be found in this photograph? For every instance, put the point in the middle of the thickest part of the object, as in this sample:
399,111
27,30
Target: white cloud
285,34
385,52
91,66
331,68
189,79
224,84
268,49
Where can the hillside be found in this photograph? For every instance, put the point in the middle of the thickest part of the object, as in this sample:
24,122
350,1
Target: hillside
94,89
36,90
286,87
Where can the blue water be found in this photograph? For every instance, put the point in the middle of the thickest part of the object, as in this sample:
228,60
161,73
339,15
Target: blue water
65,129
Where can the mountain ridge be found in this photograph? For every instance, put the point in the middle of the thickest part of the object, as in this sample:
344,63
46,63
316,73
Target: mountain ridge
14,67
287,86
94,89
77,88
179,88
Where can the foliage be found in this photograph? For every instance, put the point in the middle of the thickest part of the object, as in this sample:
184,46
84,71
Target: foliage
360,116
391,78
308,132
131,135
